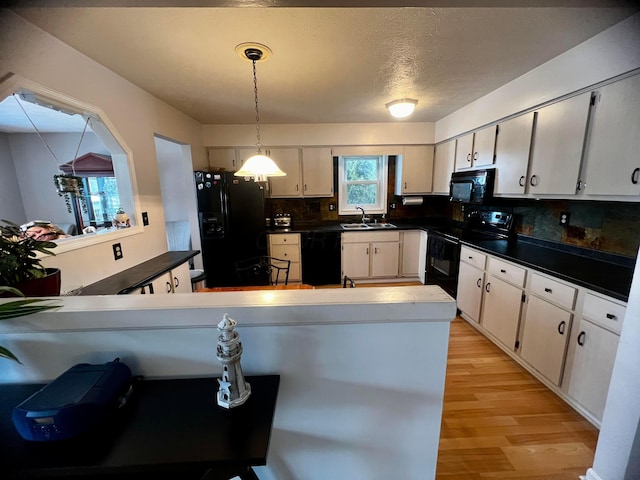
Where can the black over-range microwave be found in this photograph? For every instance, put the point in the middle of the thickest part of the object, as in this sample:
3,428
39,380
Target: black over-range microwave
472,186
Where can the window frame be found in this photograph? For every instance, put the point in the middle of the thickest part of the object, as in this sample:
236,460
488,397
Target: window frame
380,207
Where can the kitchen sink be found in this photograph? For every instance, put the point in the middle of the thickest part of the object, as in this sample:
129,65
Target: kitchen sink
366,226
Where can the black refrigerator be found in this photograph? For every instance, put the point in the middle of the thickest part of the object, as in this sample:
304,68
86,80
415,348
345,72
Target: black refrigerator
232,224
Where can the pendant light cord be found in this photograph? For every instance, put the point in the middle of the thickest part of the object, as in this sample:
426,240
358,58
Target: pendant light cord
37,131
255,91
73,170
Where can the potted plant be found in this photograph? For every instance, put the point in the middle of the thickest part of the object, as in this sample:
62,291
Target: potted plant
67,186
19,308
20,266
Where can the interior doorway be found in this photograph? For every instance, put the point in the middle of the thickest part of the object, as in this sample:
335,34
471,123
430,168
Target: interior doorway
175,169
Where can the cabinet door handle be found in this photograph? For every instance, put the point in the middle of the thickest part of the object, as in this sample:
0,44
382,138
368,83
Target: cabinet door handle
561,327
611,316
548,290
487,287
405,185
297,187
470,257
367,250
176,282
478,283
475,155
581,338
534,180
502,270
168,285
469,157
375,250
635,176
521,181
305,187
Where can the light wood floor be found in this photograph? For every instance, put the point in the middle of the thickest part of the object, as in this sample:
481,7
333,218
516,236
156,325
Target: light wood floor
500,422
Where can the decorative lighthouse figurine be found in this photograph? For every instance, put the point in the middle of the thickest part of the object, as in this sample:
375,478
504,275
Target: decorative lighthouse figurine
233,389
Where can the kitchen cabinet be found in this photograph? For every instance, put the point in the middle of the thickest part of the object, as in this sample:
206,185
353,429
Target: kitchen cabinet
502,301
513,145
547,324
317,172
476,150
288,159
412,250
225,158
176,280
286,246
558,146
414,170
612,162
309,172
370,254
592,351
443,166
470,283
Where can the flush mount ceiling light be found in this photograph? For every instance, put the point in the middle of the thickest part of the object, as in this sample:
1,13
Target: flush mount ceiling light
402,108
259,166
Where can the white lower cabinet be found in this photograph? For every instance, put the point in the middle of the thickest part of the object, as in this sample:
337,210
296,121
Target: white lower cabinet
286,246
502,302
471,282
544,337
370,254
592,353
181,279
176,280
568,335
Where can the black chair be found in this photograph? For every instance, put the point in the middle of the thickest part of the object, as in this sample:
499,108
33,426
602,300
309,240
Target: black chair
263,270
347,281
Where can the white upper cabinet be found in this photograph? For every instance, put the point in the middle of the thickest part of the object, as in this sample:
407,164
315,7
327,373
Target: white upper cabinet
476,150
317,172
557,147
288,159
513,145
612,157
443,165
414,170
225,158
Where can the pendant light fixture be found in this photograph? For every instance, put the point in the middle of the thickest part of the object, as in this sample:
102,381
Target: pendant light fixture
259,166
402,108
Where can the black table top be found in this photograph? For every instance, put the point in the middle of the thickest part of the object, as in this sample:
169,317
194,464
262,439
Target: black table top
171,427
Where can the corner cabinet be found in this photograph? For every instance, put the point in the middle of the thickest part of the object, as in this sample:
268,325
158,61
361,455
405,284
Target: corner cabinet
443,166
367,255
414,170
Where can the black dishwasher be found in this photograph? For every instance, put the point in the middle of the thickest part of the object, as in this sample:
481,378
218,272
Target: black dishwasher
321,257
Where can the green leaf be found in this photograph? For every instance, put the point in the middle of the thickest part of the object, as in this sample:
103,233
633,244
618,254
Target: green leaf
4,353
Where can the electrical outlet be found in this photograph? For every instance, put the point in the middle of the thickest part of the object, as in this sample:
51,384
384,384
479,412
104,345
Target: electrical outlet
117,251
332,207
145,218
392,206
564,218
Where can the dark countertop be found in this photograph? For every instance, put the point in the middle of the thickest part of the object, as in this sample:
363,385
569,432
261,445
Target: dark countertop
605,273
608,275
138,275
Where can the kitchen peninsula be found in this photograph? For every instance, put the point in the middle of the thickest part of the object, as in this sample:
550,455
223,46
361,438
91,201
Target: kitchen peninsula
362,370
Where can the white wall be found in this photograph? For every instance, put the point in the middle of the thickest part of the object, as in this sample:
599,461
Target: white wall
613,52
37,56
324,134
618,451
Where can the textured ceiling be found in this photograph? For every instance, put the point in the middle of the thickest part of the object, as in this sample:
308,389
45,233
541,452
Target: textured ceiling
329,65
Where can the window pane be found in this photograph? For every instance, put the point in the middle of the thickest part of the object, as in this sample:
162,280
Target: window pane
362,194
361,168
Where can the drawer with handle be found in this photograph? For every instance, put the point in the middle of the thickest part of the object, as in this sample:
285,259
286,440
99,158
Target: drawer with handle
286,252
553,291
603,312
472,257
506,271
284,238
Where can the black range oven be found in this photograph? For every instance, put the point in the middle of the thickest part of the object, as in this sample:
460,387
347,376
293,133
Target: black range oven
443,245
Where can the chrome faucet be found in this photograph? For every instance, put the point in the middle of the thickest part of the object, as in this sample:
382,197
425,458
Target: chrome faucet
364,215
